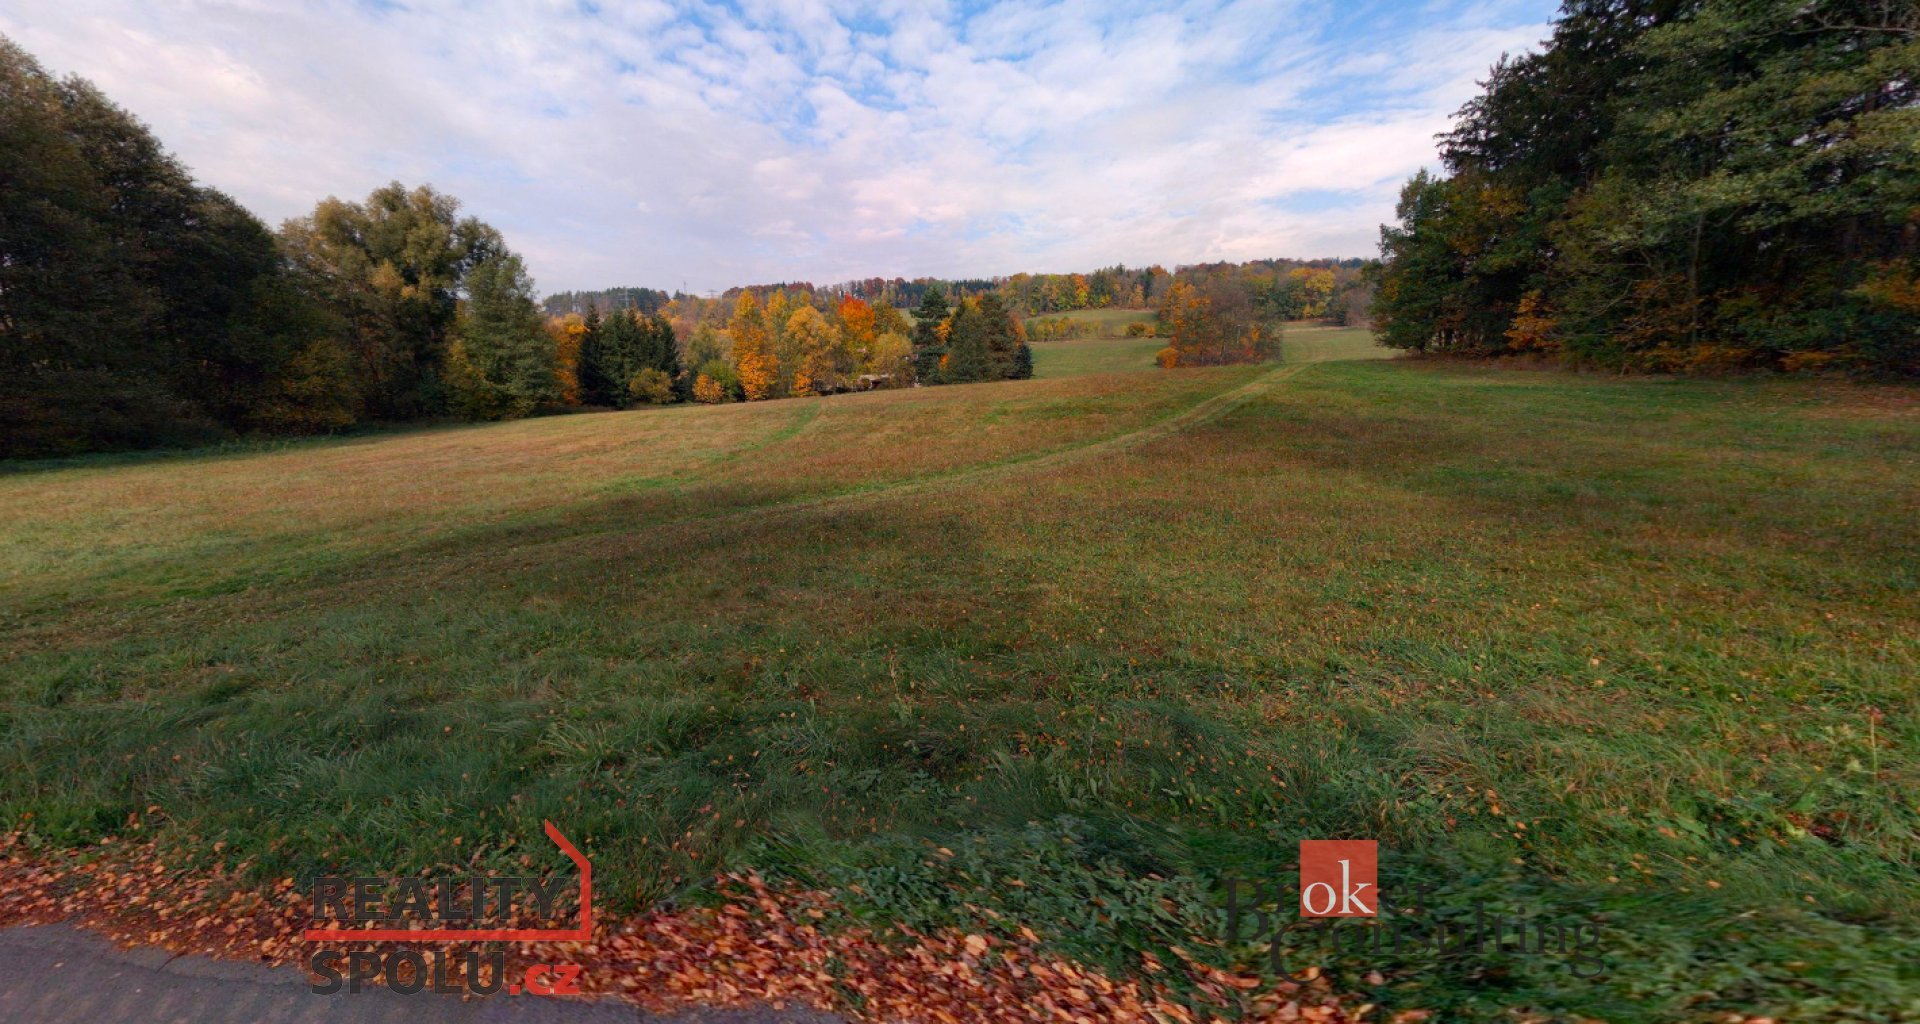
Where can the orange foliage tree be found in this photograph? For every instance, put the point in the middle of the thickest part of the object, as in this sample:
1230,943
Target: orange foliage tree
1213,327
858,328
566,332
753,357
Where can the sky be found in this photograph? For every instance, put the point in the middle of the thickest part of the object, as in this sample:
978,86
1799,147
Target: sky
666,144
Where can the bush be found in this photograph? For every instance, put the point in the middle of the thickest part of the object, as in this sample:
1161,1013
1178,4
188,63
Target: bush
651,387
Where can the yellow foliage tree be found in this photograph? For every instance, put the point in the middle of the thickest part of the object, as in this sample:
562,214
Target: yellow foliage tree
753,357
822,351
708,390
566,332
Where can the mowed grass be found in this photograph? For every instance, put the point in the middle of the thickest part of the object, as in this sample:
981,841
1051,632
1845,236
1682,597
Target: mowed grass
1080,356
1106,323
1303,342
1636,650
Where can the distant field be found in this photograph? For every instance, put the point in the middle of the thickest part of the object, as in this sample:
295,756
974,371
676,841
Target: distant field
1108,323
1055,359
1300,343
1067,650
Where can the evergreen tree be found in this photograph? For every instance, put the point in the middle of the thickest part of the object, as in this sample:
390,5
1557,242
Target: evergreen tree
503,339
968,359
1674,185
136,308
666,347
1023,362
929,333
595,388
619,355
1001,335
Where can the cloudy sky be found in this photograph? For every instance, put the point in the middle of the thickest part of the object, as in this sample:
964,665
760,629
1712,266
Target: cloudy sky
655,143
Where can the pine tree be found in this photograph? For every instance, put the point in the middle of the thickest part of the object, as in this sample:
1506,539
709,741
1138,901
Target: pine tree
615,360
929,337
1001,334
595,388
967,359
1023,362
503,336
666,347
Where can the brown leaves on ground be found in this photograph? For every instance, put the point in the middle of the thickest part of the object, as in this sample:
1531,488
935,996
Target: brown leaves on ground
761,945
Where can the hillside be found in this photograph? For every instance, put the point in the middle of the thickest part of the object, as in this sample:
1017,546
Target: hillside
1603,646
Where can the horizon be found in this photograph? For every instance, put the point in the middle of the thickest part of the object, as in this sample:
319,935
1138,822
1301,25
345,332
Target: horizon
813,141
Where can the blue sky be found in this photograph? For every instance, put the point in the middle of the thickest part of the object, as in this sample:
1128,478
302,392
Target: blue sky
656,143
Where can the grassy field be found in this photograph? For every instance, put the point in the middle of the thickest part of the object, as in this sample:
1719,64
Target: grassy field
1107,323
1067,650
1117,353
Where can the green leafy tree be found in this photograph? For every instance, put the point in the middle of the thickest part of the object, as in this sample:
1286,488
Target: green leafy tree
391,268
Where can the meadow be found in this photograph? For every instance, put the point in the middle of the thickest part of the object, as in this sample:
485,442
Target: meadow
1061,653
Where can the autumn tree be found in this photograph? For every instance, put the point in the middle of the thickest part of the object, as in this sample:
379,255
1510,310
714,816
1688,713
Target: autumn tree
1214,324
858,327
825,360
565,332
753,359
891,358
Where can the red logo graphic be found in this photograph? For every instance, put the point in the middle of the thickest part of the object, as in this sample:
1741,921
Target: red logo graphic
1338,877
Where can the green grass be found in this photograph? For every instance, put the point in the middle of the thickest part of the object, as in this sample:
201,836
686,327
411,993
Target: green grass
1112,636
1120,354
1107,323
1053,359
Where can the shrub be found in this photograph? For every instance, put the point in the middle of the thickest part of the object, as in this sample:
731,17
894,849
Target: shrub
652,387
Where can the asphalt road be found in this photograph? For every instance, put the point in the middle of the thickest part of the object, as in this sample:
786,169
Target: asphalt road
56,974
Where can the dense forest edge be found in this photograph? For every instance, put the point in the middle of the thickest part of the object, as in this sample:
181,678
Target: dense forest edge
144,310
1667,186
1678,185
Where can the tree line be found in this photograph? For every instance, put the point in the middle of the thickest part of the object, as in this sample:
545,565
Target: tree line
1675,185
139,308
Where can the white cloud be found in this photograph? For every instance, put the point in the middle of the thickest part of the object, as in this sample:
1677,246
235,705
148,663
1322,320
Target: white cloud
654,143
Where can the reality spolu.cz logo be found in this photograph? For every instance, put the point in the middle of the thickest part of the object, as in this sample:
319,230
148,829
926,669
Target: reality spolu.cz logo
456,912
1339,896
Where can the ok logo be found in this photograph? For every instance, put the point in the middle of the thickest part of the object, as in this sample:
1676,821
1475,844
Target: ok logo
1338,877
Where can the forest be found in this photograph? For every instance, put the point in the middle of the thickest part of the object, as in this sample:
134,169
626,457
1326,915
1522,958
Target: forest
1677,185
